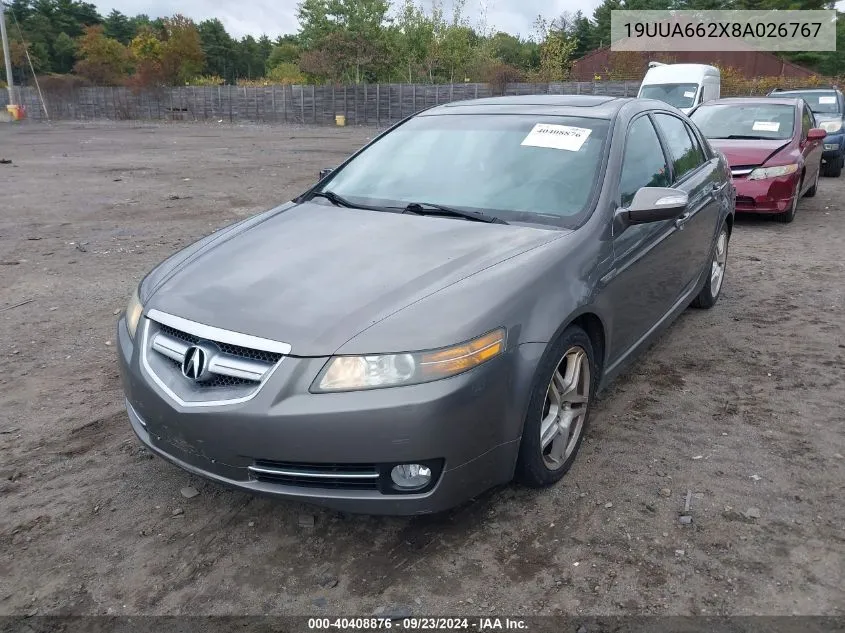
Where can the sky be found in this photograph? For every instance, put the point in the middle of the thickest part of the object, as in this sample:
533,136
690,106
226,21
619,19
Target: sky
277,17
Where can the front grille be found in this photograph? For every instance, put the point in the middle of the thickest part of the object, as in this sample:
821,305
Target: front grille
235,350
741,171
217,381
334,476
745,201
226,367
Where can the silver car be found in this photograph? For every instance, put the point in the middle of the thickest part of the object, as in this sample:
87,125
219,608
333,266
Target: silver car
435,315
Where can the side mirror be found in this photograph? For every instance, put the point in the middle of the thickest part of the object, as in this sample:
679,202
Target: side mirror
655,204
326,172
816,134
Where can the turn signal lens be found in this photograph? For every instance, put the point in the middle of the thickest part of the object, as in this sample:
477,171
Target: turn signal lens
354,373
454,360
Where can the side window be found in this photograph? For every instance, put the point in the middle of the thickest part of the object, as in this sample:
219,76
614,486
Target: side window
685,155
806,122
702,156
644,164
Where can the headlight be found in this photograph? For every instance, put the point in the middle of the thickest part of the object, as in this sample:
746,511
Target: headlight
761,173
352,373
831,127
133,313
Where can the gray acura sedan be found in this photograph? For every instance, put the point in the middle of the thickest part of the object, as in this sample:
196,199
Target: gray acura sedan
435,315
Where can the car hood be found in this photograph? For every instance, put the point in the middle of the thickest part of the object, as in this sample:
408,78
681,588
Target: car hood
748,152
314,276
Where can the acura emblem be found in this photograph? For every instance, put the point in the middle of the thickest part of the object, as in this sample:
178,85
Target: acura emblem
195,363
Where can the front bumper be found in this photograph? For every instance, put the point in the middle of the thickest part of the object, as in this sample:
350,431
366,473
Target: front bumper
470,424
773,195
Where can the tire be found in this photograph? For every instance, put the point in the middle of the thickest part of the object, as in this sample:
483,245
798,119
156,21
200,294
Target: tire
788,216
537,466
812,190
709,294
834,169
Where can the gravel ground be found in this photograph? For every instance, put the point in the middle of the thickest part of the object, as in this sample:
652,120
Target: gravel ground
742,406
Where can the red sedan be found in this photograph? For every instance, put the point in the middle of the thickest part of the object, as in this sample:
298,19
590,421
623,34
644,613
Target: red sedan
773,147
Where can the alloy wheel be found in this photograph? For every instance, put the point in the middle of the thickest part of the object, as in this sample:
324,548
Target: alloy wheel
565,409
720,260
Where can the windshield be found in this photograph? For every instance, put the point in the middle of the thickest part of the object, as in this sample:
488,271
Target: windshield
514,167
678,95
751,121
821,102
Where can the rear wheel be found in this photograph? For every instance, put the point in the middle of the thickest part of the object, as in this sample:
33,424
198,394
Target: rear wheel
834,168
709,295
558,411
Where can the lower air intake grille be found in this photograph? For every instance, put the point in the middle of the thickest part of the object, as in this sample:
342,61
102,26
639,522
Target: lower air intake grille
336,476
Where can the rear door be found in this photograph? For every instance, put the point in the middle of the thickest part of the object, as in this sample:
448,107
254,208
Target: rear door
695,172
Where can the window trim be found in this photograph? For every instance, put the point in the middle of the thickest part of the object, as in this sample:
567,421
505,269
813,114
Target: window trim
702,141
667,149
668,163
696,142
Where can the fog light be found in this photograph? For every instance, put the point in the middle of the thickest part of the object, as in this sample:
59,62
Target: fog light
411,476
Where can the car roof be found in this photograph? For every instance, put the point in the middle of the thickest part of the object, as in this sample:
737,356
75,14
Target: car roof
595,106
682,73
794,90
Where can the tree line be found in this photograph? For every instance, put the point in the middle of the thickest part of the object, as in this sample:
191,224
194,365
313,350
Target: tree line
338,41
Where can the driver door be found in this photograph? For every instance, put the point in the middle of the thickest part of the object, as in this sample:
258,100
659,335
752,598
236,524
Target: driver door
645,279
812,150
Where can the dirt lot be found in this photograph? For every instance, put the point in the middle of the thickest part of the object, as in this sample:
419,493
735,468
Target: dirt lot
742,405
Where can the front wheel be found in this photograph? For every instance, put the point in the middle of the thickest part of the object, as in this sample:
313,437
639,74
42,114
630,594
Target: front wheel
789,215
834,169
558,411
709,295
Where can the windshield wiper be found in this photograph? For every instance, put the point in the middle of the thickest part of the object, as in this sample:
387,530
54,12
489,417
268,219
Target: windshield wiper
340,201
427,208
746,137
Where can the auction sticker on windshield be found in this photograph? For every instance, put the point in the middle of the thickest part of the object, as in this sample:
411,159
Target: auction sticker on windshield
766,126
557,137
827,100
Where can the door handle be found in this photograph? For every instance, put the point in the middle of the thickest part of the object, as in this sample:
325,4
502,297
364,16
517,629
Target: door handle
680,221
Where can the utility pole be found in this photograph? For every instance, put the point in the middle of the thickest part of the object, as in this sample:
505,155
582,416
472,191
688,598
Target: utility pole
7,56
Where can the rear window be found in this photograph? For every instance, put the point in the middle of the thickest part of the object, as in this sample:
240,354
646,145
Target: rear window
746,121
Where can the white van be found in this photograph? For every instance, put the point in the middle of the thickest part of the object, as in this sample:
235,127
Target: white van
681,85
